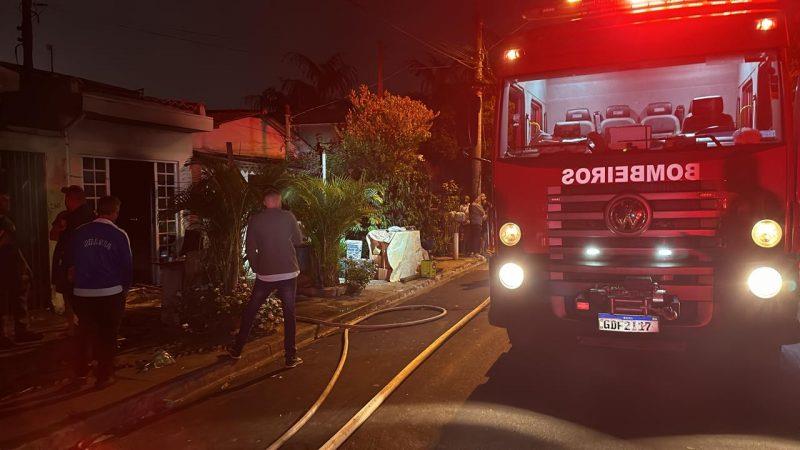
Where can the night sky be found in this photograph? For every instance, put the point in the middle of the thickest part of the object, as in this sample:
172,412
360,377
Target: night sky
219,51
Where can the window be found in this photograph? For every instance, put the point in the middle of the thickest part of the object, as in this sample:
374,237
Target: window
95,179
536,123
166,184
702,104
748,100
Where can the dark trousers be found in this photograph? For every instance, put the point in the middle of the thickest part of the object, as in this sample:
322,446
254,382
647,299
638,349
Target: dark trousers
98,324
475,237
286,291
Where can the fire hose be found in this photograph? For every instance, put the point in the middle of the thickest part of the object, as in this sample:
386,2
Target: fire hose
373,404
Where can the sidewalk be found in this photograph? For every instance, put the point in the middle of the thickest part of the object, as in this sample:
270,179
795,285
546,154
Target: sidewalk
55,415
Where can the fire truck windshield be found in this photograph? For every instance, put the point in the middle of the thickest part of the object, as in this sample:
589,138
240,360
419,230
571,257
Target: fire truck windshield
721,102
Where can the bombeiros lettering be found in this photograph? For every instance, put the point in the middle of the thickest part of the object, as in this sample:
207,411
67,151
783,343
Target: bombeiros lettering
644,173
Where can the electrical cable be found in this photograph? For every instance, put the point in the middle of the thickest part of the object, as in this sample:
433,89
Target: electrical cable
410,35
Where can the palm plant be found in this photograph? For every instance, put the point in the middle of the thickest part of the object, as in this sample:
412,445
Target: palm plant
327,211
223,199
321,82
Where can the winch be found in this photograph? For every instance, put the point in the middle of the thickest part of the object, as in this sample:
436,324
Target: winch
635,296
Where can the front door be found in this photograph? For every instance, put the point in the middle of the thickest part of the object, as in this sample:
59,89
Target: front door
133,183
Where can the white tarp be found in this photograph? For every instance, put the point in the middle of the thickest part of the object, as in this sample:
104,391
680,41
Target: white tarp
404,252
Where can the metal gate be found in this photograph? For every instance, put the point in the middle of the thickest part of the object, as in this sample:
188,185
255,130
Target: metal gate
23,174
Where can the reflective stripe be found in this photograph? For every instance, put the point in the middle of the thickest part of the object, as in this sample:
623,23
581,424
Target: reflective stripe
102,292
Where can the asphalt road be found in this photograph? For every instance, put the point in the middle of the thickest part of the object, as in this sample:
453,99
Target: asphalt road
477,391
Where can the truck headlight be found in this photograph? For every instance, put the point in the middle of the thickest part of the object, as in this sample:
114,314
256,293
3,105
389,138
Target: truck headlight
766,233
511,275
765,282
510,234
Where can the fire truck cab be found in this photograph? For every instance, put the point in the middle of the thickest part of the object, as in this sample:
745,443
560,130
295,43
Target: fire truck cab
645,174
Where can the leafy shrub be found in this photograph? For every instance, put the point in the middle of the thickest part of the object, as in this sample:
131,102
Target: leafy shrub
206,307
357,274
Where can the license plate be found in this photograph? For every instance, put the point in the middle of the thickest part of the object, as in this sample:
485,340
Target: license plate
627,324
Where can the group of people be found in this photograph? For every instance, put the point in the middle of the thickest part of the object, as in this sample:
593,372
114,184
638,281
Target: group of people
475,227
91,269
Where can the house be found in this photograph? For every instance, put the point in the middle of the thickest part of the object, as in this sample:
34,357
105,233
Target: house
245,136
58,130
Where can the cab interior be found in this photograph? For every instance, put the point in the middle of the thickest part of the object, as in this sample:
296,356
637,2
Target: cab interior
731,99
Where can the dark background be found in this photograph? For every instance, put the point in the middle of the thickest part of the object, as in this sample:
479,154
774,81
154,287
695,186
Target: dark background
217,51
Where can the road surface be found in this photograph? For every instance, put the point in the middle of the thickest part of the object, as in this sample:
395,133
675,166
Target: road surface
477,391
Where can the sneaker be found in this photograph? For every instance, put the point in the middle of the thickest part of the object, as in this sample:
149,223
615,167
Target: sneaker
234,353
27,336
294,361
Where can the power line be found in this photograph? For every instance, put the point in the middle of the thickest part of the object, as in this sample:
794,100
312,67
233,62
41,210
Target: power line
162,34
410,35
396,72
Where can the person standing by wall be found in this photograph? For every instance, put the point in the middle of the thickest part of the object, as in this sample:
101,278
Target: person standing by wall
272,236
78,212
100,265
476,218
464,226
488,226
15,280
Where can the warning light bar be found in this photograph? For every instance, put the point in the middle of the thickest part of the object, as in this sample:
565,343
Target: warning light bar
577,9
640,6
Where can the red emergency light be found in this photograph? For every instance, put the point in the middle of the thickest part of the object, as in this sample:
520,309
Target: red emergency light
766,24
582,305
512,54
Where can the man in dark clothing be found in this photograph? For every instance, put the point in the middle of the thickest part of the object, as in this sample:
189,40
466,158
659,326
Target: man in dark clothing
15,280
78,213
101,270
272,236
477,216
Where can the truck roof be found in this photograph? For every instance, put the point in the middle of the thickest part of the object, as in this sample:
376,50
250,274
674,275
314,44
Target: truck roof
595,36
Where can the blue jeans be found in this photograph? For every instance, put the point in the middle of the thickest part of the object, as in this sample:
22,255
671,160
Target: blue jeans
286,291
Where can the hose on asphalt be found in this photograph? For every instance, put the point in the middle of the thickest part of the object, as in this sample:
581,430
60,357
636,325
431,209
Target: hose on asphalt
355,325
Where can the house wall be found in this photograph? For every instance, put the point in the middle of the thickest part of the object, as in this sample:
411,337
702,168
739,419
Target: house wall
250,136
97,138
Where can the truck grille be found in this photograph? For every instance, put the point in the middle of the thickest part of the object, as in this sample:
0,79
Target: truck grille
684,227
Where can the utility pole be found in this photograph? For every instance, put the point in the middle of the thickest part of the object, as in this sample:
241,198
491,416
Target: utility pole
26,29
287,114
380,68
477,152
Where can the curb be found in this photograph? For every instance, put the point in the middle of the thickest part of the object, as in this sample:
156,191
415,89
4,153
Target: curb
80,431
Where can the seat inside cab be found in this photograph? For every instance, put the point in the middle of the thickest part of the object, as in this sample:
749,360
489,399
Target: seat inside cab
720,96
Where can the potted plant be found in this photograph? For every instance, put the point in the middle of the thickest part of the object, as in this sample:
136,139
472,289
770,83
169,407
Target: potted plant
327,211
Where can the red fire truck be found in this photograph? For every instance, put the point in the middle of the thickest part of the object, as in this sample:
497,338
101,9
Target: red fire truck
645,173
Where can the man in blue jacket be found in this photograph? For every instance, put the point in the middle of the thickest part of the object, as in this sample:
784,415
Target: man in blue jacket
101,267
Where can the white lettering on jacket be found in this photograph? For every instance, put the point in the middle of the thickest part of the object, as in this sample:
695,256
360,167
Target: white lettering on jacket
649,173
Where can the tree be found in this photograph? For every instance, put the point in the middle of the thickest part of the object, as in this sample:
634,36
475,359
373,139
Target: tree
327,211
321,82
380,141
223,200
